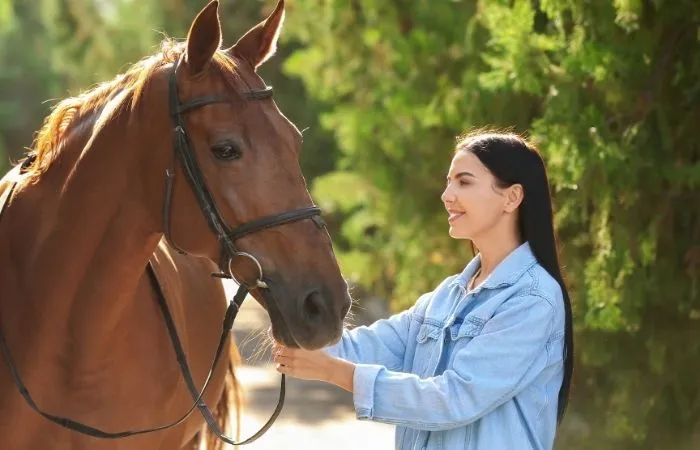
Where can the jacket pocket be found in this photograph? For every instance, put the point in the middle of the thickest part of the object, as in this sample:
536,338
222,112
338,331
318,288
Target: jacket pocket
426,332
468,329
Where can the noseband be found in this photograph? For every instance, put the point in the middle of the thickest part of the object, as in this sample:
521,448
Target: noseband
226,237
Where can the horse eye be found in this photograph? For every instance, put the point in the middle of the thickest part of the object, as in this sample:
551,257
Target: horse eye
227,151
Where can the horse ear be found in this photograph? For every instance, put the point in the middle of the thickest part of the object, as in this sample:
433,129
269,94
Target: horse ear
204,38
260,42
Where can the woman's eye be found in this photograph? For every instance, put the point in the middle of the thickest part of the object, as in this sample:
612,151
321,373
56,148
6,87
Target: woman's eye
227,151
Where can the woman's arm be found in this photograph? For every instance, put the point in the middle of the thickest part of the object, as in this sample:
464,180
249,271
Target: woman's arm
382,343
491,369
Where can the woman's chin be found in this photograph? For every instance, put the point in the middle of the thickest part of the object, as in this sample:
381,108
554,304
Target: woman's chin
458,234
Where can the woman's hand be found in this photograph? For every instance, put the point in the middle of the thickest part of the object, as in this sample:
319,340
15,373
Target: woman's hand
313,365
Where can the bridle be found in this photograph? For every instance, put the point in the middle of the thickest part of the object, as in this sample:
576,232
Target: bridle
226,237
183,151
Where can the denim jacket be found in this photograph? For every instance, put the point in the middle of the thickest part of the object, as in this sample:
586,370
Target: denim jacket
463,369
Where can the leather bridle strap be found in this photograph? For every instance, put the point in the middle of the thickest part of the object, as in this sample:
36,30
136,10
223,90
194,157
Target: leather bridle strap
229,318
276,220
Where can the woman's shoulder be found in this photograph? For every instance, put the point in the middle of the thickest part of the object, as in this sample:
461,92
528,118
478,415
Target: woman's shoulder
540,287
428,302
536,281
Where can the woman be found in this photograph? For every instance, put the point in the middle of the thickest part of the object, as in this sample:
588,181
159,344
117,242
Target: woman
485,360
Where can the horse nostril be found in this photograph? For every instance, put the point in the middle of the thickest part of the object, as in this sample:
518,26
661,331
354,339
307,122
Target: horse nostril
313,307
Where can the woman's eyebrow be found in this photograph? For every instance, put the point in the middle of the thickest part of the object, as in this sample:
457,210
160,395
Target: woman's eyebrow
463,174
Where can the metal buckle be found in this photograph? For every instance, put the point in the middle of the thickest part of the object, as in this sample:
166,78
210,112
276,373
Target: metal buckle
259,283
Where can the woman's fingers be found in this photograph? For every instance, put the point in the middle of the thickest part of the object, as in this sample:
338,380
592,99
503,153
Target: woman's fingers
281,361
284,360
296,362
278,349
286,365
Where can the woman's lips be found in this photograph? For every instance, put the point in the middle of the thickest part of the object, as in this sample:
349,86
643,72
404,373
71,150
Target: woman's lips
454,215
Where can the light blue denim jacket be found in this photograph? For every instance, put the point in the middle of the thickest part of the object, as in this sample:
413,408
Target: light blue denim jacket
466,370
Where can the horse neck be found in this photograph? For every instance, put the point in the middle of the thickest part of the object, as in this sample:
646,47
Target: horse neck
82,237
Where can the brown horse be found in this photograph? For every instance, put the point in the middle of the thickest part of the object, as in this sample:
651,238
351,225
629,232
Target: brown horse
77,310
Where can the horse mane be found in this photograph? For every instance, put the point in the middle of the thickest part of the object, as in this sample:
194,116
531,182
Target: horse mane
134,82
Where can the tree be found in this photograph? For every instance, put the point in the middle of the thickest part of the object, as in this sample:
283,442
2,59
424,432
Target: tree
610,92
56,49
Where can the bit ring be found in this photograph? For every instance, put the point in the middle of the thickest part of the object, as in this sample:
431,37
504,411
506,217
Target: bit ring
259,283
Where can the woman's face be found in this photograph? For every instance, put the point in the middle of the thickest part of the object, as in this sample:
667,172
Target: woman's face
473,200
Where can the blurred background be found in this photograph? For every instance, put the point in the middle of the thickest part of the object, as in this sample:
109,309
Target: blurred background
609,91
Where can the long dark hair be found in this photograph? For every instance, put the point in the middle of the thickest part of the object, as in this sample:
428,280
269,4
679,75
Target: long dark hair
512,160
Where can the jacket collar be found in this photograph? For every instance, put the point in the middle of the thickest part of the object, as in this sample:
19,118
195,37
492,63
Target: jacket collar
506,273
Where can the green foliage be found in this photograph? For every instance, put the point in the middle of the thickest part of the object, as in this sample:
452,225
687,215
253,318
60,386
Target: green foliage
610,92
6,14
25,76
59,47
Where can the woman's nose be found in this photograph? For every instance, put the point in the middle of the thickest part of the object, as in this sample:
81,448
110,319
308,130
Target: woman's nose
446,195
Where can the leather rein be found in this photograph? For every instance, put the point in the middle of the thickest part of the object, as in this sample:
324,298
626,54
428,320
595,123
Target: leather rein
184,153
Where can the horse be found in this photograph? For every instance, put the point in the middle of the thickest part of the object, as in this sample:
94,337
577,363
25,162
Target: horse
136,191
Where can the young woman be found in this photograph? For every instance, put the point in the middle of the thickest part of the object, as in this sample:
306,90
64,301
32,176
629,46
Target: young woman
485,360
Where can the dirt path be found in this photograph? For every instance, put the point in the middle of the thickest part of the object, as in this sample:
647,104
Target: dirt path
315,415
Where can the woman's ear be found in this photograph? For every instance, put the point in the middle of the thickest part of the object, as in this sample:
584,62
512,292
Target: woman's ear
514,197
